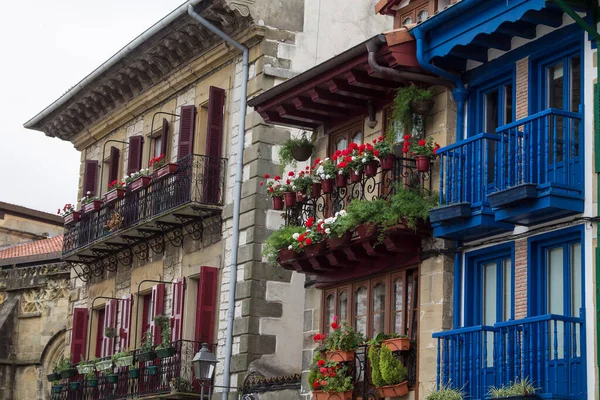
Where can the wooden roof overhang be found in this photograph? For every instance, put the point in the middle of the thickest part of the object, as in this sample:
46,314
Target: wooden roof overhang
344,86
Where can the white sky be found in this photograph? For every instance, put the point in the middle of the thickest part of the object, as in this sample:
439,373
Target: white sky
46,47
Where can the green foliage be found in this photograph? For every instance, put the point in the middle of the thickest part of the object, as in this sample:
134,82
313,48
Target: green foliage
147,342
120,354
378,340
343,338
164,322
375,372
280,239
62,365
181,385
519,388
402,105
285,151
329,376
446,393
412,205
392,370
376,212
339,224
314,368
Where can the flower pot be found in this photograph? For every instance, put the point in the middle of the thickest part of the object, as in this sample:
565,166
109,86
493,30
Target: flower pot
289,198
336,243
366,231
140,182
397,344
114,195
152,369
423,163
103,365
94,205
387,163
134,373
371,168
327,185
145,356
53,377
92,382
56,388
315,249
167,169
75,385
398,390
124,361
300,197
286,255
339,356
68,373
341,180
355,176
278,203
85,369
72,217
302,153
315,190
422,107
166,352
320,395
112,378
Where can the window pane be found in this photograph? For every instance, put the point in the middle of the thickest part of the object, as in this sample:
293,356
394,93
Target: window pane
360,310
329,312
341,144
576,296
409,289
157,146
357,138
491,111
407,21
398,304
343,306
507,305
555,280
378,307
489,294
508,104
555,86
575,83
423,14
414,306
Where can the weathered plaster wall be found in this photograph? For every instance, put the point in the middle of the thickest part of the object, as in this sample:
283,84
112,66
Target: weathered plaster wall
16,229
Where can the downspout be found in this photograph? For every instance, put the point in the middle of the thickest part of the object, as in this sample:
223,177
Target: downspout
237,193
596,36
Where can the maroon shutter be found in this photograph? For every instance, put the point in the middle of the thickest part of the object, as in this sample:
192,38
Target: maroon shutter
206,307
214,145
164,137
125,329
113,164
134,159
187,126
158,307
177,311
90,176
110,321
79,334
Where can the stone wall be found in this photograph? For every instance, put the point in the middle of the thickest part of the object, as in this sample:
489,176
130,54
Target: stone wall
16,229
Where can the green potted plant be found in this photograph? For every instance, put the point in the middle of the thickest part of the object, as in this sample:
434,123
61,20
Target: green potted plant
387,372
164,349
383,147
56,387
412,205
122,359
329,380
75,385
92,379
411,100
311,240
423,150
90,203
446,392
279,246
104,364
517,390
146,352
341,344
134,372
64,368
54,375
69,214
275,189
338,229
393,341
181,385
371,217
302,183
117,191
85,367
296,149
112,378
326,170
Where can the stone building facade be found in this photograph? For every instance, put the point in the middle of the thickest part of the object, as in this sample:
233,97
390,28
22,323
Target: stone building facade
21,224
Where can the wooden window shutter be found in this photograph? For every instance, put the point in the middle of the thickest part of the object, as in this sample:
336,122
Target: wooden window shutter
157,303
134,159
214,145
110,321
113,164
177,311
187,126
206,307
125,326
79,334
164,137
90,176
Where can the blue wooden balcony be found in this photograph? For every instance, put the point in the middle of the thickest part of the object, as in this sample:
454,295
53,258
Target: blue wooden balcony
548,349
528,172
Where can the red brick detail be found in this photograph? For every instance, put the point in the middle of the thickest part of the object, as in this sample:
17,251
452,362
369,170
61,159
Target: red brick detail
522,101
520,278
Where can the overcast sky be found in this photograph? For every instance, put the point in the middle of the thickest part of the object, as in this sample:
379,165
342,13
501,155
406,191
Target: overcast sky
47,47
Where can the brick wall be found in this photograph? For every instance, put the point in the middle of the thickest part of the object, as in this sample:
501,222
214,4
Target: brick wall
522,100
520,278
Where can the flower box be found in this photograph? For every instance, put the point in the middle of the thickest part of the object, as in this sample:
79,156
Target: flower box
355,176
124,361
104,365
315,249
152,369
367,231
112,378
398,390
339,356
145,356
341,180
85,368
300,197
114,194
289,198
72,217
315,190
423,163
140,182
75,385
68,373
167,169
397,344
286,255
56,388
337,243
93,205
53,377
134,373
320,395
92,382
166,352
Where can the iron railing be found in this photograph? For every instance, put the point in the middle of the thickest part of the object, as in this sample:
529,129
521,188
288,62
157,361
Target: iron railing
549,350
199,180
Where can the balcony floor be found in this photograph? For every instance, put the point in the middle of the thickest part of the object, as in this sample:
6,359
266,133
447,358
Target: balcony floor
539,210
480,224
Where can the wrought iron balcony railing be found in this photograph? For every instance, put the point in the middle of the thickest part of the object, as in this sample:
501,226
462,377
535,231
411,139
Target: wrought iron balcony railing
196,187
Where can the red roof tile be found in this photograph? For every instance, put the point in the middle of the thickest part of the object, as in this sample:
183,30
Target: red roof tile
44,246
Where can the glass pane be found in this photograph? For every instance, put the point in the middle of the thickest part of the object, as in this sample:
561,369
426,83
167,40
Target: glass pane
378,307
576,295
507,305
422,15
357,138
341,144
575,83
407,21
508,104
555,86
489,294
415,308
491,111
157,146
329,312
398,302
343,306
555,280
360,310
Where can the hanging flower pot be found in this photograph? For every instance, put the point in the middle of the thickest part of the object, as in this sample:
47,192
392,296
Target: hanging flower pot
423,163
124,361
73,216
286,255
112,378
315,249
145,356
114,194
166,352
83,369
387,163
422,106
56,388
371,168
366,231
152,369
355,176
289,198
337,243
302,152
278,203
92,382
397,344
134,373
398,390
315,190
104,365
68,373
140,182
320,395
53,377
327,185
300,197
93,205
339,356
341,180
75,385
167,169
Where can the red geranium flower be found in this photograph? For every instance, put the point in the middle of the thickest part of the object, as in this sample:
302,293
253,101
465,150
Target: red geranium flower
291,173
406,137
422,142
309,223
308,241
335,325
321,363
262,183
277,177
405,150
267,176
376,153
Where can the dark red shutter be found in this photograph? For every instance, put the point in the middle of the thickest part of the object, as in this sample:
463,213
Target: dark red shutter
100,333
79,334
125,328
164,137
158,308
110,321
177,310
134,158
206,307
187,126
90,176
113,164
214,145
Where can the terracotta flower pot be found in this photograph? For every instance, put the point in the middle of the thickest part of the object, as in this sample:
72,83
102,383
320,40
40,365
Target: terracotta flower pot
320,395
397,344
327,185
289,198
315,249
371,168
315,190
423,163
387,163
140,182
72,217
366,231
114,195
341,180
339,356
300,197
167,169
278,203
92,206
286,255
336,243
398,390
355,176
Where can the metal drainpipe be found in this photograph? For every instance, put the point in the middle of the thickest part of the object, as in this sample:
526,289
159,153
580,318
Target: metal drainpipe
237,195
596,36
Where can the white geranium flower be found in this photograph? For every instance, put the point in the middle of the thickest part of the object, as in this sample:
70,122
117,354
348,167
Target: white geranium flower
327,231
327,176
326,159
290,247
364,160
293,187
342,213
88,193
353,158
296,236
341,173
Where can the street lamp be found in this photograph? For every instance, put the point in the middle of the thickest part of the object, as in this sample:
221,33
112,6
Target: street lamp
204,363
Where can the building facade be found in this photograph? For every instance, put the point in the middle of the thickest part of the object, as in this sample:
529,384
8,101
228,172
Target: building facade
21,224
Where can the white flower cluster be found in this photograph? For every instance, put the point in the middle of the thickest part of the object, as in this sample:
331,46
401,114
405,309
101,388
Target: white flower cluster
135,175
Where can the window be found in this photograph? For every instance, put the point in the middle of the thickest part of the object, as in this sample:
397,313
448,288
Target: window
397,128
341,138
146,314
422,15
376,308
415,11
